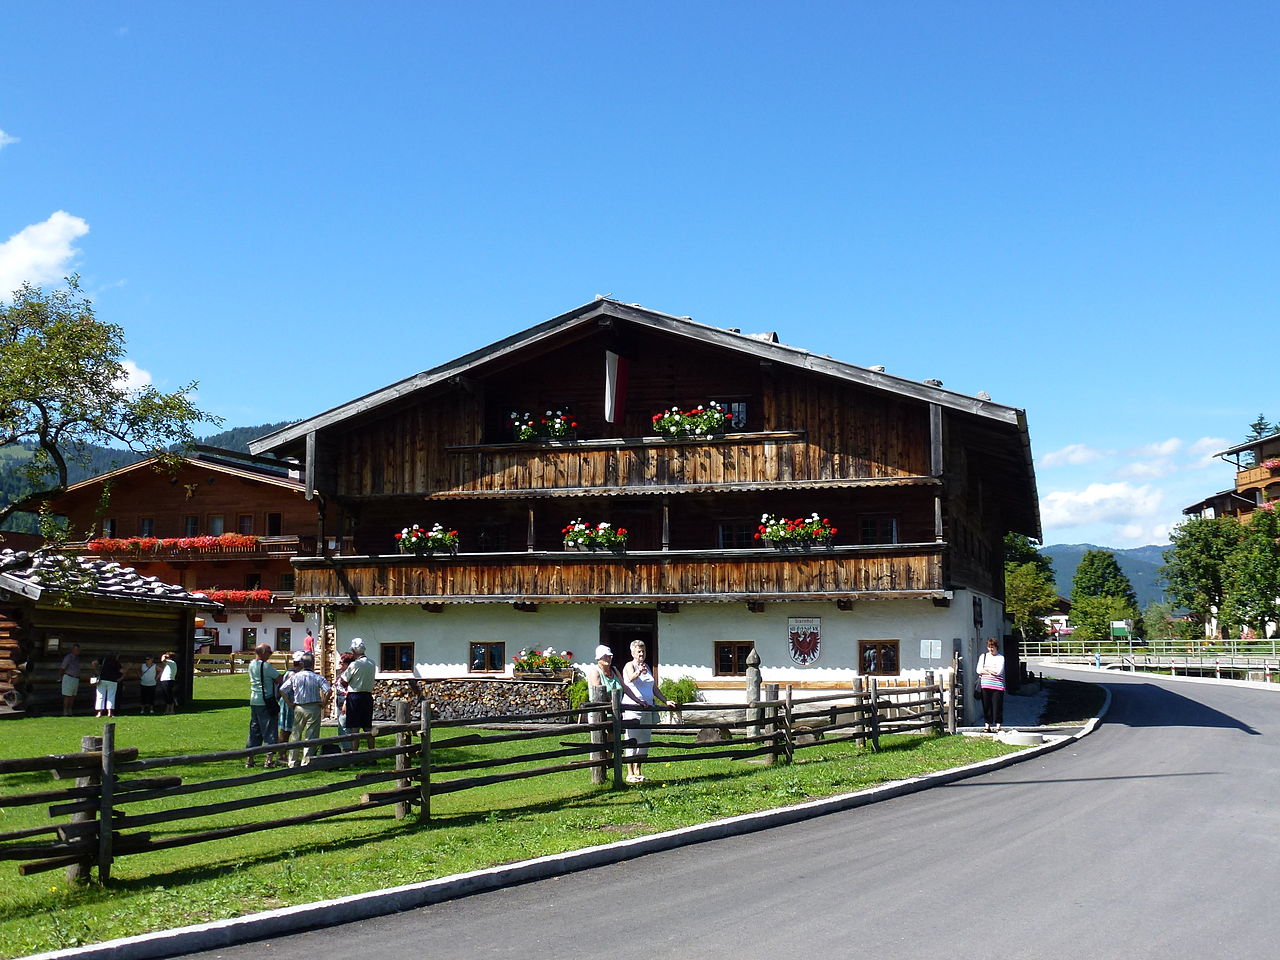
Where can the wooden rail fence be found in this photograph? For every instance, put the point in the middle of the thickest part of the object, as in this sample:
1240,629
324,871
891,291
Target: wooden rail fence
114,785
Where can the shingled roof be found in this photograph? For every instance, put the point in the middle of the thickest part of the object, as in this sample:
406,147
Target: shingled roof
33,574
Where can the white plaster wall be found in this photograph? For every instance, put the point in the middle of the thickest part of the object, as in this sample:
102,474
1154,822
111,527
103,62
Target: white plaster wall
686,640
230,632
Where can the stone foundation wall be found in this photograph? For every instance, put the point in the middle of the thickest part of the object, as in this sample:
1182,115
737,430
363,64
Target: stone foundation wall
463,699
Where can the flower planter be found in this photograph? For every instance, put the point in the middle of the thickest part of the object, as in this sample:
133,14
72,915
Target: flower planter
433,551
547,674
799,546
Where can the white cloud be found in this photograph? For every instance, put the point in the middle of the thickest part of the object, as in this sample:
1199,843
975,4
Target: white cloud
1115,503
1073,455
1165,448
40,253
1205,448
1147,469
135,378
5,139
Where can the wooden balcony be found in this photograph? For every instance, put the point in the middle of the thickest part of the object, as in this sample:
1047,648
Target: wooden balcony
267,547
838,573
1256,477
749,461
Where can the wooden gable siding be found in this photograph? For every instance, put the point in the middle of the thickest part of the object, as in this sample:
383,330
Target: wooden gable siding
838,573
811,429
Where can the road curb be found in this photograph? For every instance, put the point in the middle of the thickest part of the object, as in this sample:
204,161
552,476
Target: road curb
378,903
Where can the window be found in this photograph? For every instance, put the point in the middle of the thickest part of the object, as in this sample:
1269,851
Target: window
878,657
191,526
146,527
284,638
253,581
737,534
244,524
216,526
397,657
737,411
274,524
878,528
286,583
248,638
493,538
488,657
109,527
731,659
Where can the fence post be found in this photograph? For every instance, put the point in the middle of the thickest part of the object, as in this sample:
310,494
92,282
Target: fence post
403,739
598,739
860,705
106,820
78,872
875,716
771,722
790,741
951,700
754,714
617,739
929,682
424,762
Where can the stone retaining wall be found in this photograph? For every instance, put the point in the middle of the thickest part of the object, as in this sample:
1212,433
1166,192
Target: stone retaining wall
462,699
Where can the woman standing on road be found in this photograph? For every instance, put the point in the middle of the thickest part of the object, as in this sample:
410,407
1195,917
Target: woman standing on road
991,679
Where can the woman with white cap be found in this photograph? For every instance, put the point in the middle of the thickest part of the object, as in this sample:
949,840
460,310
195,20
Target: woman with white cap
602,676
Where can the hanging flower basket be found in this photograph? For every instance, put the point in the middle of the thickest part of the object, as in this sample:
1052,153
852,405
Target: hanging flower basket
579,535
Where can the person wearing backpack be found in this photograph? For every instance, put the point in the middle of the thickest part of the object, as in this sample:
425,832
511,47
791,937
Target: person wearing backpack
263,708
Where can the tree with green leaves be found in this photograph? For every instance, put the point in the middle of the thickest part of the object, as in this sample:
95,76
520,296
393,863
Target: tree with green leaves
1099,575
1160,621
64,386
1029,590
1196,563
1251,592
1093,616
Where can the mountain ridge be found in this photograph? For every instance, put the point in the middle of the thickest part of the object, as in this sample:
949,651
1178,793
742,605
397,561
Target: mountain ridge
1140,564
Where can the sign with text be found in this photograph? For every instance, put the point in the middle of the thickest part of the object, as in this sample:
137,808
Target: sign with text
804,639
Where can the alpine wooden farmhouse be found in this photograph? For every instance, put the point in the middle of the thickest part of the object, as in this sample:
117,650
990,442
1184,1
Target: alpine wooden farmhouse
919,482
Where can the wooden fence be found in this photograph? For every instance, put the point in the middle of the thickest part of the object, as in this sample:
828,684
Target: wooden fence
206,664
106,789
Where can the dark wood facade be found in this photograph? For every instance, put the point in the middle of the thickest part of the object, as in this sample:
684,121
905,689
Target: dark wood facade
922,483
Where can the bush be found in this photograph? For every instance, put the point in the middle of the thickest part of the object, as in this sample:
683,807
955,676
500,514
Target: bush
578,693
681,690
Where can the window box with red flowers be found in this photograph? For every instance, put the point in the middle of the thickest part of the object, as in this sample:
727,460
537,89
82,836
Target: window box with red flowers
418,539
552,425
548,664
701,421
1273,464
800,534
579,535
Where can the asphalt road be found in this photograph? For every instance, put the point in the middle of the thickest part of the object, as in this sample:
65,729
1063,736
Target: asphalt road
1156,836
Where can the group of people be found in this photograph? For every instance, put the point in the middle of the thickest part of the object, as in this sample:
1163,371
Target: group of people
637,682
288,707
155,682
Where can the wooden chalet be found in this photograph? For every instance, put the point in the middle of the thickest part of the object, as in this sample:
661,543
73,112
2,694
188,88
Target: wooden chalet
223,523
48,602
922,483
1257,464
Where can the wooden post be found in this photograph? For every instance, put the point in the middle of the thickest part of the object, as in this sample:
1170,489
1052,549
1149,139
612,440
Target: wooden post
666,523
617,740
874,716
861,740
106,820
952,724
754,714
79,872
403,739
598,738
929,682
790,738
771,721
424,763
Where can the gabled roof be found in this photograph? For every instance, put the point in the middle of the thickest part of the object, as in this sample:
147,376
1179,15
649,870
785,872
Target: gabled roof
762,346
31,575
1248,445
207,458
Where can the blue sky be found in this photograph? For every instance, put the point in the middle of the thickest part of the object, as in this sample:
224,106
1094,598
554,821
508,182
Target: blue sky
1071,206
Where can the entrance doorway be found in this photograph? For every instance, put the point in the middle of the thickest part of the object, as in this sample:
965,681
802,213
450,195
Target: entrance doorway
619,626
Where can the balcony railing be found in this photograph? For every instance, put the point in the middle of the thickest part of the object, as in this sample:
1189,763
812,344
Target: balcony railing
266,547
837,573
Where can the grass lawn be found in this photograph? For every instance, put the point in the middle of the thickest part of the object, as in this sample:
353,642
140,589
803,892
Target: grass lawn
370,850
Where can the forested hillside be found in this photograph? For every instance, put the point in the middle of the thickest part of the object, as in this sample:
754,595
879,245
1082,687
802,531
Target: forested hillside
13,486
1140,564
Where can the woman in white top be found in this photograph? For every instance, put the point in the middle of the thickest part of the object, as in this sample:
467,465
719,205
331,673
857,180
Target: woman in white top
991,679
641,682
